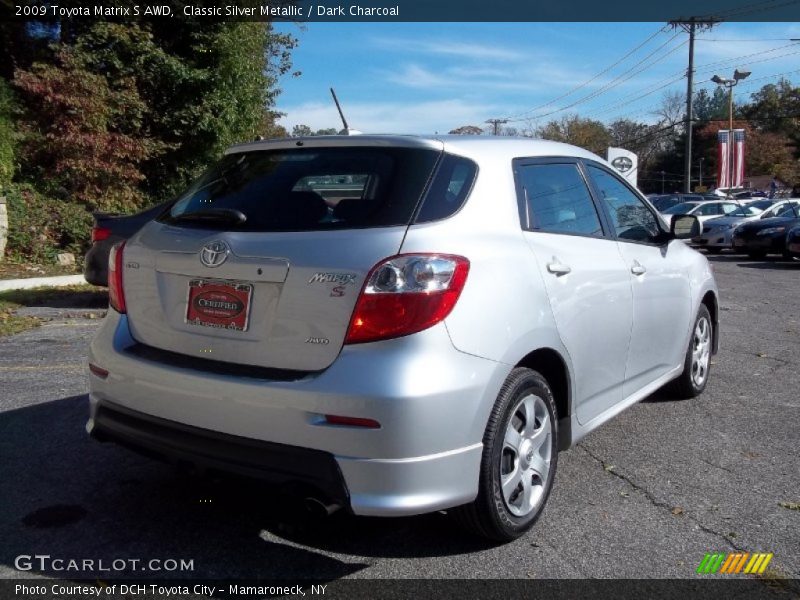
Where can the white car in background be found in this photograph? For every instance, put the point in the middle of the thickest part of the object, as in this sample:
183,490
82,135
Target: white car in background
718,232
703,210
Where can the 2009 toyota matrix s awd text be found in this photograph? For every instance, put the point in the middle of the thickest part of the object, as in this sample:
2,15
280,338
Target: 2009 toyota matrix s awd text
399,324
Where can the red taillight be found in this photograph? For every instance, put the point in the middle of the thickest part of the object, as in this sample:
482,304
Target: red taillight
352,421
406,294
116,295
100,233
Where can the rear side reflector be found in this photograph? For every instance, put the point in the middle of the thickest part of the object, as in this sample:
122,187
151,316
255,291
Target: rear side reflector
100,233
352,421
116,295
406,294
99,372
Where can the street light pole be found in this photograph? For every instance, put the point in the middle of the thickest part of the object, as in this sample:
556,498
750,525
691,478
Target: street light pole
701,172
662,182
730,83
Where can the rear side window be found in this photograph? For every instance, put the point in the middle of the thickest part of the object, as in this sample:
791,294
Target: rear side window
556,200
449,189
308,189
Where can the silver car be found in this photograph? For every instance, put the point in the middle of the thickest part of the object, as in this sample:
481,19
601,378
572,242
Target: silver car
396,325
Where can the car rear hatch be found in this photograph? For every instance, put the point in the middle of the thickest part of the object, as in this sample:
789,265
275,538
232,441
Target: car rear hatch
261,261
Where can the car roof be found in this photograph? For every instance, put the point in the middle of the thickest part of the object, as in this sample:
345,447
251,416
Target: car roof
477,147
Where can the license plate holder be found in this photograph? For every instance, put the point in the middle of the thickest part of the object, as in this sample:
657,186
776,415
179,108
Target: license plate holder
219,304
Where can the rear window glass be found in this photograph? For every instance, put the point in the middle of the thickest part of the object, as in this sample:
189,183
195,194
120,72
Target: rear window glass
308,189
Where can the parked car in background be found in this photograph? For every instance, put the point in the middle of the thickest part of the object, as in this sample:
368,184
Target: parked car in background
703,209
793,243
759,238
718,232
664,201
107,230
429,342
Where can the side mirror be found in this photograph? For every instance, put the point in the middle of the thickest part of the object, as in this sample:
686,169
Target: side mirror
684,227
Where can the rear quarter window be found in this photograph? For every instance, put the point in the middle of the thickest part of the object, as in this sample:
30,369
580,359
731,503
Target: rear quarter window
449,189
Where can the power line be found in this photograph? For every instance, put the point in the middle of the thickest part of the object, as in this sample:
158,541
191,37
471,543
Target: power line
620,79
590,80
624,100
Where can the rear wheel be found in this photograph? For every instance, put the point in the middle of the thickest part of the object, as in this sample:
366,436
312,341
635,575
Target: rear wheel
519,459
697,363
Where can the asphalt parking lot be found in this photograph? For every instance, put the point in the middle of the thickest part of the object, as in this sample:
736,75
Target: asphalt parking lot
647,495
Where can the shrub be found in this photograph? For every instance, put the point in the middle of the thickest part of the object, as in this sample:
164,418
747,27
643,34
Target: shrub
6,134
41,227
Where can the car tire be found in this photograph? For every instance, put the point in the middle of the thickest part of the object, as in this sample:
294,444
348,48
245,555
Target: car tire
527,458
756,254
697,364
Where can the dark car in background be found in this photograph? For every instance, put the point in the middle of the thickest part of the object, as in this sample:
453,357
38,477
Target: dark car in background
108,229
793,243
766,236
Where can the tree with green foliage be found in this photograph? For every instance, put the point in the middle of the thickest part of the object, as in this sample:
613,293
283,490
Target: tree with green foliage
7,134
572,129
79,138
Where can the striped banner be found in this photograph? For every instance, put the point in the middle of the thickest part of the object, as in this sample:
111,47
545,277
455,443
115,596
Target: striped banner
734,563
738,158
726,179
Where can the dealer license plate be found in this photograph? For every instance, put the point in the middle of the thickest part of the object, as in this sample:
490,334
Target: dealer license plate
219,304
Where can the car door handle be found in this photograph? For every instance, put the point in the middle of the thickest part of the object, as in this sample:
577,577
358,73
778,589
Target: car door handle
637,268
557,268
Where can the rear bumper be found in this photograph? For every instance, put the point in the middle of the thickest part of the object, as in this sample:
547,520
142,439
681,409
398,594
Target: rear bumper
431,400
214,451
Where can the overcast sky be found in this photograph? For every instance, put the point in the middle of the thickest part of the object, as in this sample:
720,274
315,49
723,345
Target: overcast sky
434,77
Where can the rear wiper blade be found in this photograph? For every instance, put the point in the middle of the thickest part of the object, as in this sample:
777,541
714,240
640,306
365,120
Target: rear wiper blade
227,215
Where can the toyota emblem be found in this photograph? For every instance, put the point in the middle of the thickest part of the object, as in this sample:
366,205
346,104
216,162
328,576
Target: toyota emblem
623,164
213,254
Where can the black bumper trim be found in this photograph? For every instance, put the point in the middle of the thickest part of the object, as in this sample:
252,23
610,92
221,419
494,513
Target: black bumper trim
224,453
218,367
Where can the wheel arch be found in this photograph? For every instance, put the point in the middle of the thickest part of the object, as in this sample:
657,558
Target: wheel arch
552,366
711,303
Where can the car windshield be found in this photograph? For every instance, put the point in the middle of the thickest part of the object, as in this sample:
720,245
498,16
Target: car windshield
681,209
746,211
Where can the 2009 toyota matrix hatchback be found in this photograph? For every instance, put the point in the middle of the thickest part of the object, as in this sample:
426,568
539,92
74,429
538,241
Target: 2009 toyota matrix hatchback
397,325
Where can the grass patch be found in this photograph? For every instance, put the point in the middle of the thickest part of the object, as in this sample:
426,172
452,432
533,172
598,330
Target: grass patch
13,270
11,323
74,296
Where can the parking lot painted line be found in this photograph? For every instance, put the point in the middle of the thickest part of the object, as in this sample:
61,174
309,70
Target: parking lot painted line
34,282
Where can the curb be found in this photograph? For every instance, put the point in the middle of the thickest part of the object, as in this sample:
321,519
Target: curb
34,282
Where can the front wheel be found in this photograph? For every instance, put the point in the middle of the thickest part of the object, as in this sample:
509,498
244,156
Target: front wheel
697,364
520,453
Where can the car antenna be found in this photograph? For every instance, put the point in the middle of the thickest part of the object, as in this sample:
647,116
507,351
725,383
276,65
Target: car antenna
346,130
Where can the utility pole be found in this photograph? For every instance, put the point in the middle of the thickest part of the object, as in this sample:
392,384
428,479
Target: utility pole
690,26
495,123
